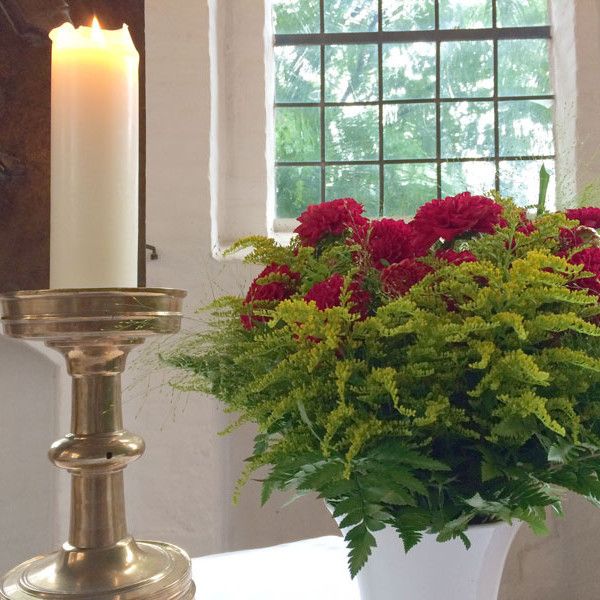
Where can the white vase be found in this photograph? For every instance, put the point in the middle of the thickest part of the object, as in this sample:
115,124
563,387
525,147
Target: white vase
436,571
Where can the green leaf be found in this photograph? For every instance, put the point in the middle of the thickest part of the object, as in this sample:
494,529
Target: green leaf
455,528
306,420
319,475
559,452
350,519
268,487
543,190
360,542
392,451
410,525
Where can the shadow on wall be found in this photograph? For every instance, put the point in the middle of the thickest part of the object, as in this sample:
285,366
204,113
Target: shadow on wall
27,428
561,565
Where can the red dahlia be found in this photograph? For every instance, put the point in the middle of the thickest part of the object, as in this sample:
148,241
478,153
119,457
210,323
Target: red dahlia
398,278
327,294
329,219
260,294
454,216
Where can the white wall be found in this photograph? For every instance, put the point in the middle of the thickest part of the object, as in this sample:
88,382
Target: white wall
27,428
182,490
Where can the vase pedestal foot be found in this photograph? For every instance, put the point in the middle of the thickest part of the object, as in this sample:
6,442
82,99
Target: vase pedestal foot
128,570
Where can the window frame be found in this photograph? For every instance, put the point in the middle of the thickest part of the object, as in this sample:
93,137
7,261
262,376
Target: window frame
379,38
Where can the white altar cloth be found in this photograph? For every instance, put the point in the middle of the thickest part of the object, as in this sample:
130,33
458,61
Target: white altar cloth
307,570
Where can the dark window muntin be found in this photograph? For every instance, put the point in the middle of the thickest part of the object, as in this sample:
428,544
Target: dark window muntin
438,36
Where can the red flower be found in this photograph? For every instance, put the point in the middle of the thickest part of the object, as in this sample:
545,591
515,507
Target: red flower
261,294
329,219
568,239
527,228
398,278
326,294
390,241
588,217
454,216
456,258
590,259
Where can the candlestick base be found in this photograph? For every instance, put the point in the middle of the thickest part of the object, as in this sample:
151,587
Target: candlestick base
128,570
94,329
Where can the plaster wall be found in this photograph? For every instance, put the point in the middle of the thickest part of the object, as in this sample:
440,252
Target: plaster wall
181,491
576,79
27,428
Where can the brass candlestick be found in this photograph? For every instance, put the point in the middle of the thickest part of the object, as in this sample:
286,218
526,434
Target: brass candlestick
94,329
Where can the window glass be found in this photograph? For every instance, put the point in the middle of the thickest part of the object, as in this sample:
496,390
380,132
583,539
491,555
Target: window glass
408,15
397,102
296,16
465,14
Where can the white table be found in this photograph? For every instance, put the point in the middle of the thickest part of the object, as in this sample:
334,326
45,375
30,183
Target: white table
307,570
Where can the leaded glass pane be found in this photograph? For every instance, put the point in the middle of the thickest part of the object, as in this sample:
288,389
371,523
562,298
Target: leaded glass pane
351,133
342,16
523,68
409,71
298,134
467,69
351,73
409,131
296,16
408,15
297,74
408,186
525,128
296,188
477,177
465,14
356,181
467,129
522,13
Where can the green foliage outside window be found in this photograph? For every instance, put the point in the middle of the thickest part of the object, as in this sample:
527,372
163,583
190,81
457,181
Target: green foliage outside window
410,132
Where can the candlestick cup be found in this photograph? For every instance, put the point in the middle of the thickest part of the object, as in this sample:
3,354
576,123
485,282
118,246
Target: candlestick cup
95,329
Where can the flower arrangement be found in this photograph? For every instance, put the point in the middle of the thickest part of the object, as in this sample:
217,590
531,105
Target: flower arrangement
427,375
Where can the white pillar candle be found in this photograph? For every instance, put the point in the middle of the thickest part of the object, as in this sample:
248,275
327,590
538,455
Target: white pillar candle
94,158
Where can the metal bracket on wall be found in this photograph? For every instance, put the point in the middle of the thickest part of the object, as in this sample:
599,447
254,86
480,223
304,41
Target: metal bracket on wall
153,251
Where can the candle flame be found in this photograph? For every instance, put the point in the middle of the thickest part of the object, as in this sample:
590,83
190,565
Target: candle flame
97,34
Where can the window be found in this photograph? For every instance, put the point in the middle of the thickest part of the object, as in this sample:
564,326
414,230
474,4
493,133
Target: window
395,102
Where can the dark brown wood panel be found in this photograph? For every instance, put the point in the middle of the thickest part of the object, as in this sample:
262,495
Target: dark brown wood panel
25,128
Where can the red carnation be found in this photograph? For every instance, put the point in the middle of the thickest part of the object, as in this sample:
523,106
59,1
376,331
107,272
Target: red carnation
456,258
454,216
590,259
389,241
398,278
284,284
588,217
329,219
326,294
568,239
527,228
